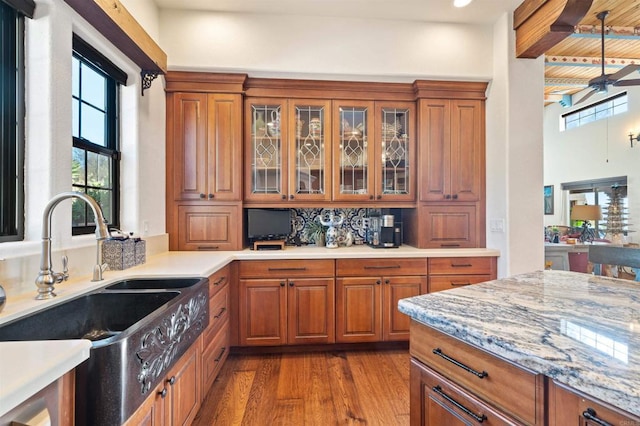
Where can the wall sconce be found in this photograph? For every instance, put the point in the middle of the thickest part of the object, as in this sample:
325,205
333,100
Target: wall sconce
633,138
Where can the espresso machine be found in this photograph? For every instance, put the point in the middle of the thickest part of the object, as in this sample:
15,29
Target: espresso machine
383,232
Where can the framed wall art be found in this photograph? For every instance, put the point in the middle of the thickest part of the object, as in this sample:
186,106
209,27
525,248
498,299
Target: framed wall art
548,199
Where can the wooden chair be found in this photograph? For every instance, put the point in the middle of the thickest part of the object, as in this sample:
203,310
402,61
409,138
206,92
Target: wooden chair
616,256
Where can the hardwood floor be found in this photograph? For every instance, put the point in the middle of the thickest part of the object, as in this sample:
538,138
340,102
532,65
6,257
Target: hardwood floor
308,389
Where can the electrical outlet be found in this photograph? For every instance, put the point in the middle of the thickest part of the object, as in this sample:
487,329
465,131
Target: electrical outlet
496,225
145,227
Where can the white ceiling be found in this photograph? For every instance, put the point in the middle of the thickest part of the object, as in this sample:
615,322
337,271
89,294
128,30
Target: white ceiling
478,12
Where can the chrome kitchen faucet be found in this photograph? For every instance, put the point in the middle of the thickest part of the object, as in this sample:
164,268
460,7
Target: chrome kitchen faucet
47,278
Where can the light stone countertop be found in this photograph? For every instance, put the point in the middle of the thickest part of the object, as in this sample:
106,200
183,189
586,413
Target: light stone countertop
578,329
48,360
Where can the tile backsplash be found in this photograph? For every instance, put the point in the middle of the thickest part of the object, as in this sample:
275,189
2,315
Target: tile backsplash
353,221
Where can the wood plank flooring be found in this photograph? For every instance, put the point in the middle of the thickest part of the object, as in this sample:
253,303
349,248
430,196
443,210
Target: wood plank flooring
308,389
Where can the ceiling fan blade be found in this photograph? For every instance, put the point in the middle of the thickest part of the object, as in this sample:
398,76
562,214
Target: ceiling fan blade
587,96
630,82
624,72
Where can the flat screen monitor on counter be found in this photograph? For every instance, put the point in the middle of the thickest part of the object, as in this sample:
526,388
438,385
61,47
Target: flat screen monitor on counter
268,224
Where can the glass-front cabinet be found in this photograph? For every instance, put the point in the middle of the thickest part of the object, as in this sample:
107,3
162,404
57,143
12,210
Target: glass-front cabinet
374,153
287,150
353,151
395,151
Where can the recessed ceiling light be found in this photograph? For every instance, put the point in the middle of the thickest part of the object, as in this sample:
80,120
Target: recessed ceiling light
461,3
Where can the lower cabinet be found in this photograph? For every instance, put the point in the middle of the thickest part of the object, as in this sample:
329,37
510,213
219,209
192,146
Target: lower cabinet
450,272
569,407
176,400
451,379
367,294
437,401
453,225
294,304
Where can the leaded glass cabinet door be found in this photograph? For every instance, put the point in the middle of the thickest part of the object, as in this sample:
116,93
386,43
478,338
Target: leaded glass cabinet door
395,151
310,150
353,151
265,150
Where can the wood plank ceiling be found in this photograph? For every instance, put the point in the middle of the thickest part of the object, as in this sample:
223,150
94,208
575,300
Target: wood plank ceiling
570,64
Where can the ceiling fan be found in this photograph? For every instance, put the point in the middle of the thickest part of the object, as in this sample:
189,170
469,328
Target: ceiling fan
600,84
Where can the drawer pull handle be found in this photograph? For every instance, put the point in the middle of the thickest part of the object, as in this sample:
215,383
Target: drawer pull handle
481,375
477,417
590,414
460,284
220,281
461,265
449,245
208,247
222,311
224,349
382,267
288,269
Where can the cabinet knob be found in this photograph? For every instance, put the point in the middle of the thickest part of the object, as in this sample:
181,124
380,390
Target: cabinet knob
202,196
291,283
172,380
281,283
211,196
454,196
448,196
284,197
163,393
291,197
379,197
371,197
387,281
378,282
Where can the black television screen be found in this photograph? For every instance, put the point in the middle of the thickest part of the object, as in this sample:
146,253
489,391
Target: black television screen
268,224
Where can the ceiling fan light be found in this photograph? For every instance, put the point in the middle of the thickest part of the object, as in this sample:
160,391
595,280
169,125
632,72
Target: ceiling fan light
461,3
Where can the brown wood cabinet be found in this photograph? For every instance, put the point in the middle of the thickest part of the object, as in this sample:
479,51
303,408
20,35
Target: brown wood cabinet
568,407
481,382
293,304
452,150
216,337
287,150
208,227
204,163
176,400
451,272
367,294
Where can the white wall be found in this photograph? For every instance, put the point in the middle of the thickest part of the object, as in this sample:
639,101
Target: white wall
48,44
322,47
596,150
147,14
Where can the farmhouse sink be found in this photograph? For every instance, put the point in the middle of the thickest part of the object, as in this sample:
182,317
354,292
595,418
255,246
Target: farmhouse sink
137,335
153,283
95,316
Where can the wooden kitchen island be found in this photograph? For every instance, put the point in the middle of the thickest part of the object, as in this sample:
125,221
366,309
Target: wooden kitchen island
542,348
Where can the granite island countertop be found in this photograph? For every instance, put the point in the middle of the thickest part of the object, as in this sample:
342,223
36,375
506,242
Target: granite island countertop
577,329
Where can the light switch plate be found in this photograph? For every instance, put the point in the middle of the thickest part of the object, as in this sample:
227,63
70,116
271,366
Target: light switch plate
496,225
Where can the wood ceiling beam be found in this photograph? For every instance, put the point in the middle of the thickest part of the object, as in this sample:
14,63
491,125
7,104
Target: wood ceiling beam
115,22
586,61
541,24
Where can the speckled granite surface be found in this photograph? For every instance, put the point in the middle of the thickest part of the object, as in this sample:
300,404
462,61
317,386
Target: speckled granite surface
578,329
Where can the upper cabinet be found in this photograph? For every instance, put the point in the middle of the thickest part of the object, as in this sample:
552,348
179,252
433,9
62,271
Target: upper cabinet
206,146
287,150
452,156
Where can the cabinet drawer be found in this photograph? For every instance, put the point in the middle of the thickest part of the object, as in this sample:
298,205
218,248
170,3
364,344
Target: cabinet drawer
380,267
286,268
218,280
507,387
444,403
218,313
447,282
462,265
214,355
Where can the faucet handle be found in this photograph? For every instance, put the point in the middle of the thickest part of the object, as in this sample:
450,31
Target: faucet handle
65,267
